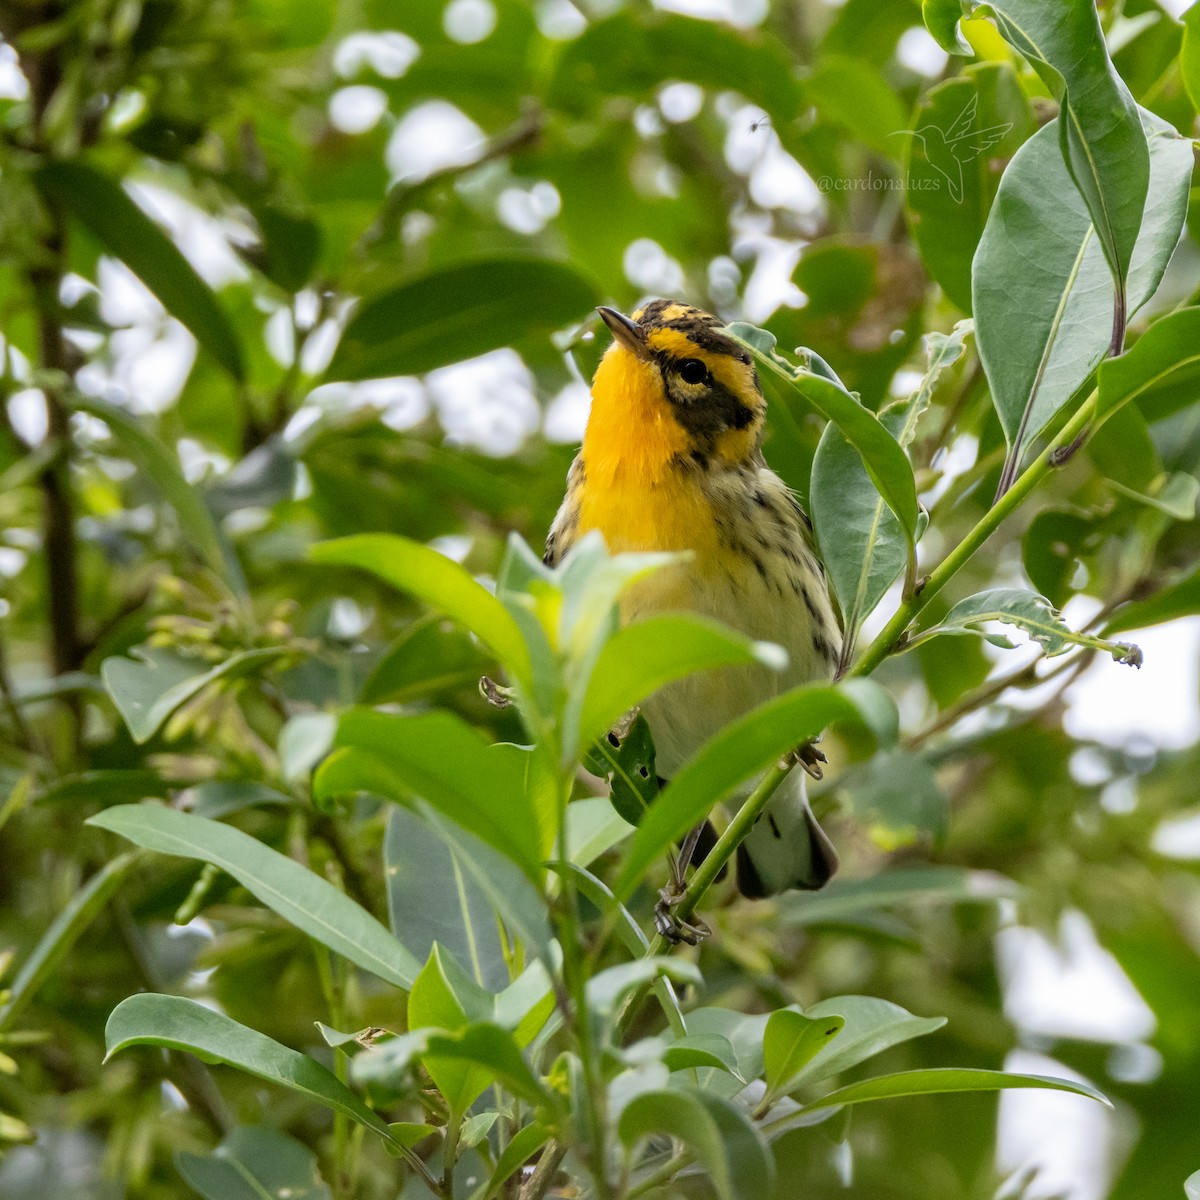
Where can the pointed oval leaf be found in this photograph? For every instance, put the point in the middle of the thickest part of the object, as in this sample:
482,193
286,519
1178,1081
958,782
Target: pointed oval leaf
149,687
254,1162
522,1146
310,903
1161,373
103,206
454,313
1031,613
432,898
1042,331
1100,138
442,583
161,464
719,1134
790,1043
149,1019
641,657
871,1026
862,544
441,759
938,1080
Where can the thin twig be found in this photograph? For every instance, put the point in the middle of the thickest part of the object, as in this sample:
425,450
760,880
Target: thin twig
543,1174
893,633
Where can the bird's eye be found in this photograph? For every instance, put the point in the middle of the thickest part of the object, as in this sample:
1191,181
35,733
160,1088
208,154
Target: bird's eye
692,370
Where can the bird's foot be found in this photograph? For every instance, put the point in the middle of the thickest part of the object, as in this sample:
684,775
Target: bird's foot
671,926
809,757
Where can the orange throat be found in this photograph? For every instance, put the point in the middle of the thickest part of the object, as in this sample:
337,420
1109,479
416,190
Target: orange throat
634,493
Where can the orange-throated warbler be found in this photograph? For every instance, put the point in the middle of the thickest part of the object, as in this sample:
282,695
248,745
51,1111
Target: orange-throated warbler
672,461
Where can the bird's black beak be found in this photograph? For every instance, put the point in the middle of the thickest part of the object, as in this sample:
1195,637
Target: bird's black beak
629,333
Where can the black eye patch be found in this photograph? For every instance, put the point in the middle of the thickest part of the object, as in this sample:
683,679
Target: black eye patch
692,370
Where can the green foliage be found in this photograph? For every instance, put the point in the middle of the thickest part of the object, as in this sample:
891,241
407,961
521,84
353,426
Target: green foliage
271,608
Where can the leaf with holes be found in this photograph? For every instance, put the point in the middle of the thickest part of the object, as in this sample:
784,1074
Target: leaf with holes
1026,611
626,761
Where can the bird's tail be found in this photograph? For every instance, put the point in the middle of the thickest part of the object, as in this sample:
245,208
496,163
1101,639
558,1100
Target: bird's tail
786,848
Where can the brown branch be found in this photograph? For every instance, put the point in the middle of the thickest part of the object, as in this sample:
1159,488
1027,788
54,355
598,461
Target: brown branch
45,280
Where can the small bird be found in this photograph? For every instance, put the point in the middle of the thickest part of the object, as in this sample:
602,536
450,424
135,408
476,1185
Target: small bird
672,461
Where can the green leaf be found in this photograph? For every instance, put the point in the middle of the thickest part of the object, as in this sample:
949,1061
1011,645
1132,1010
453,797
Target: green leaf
952,182
871,1026
1174,495
1100,137
430,657
148,688
845,901
490,790
251,1163
947,1079
310,903
66,929
126,232
443,998
896,797
722,1138
1055,542
521,905
607,990
216,798
849,92
459,312
646,654
452,1031
791,1042
522,1146
627,761
1041,333
442,583
863,546
432,898
303,741
1161,373
707,1050
1029,612
592,581
1179,599
883,458
744,1033
592,829
632,53
149,1019
1189,61
491,1051
739,751
162,466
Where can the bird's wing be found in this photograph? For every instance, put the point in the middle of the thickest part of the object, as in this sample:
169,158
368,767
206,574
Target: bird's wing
565,528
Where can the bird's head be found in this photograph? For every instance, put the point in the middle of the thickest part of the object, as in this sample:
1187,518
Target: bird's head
672,386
